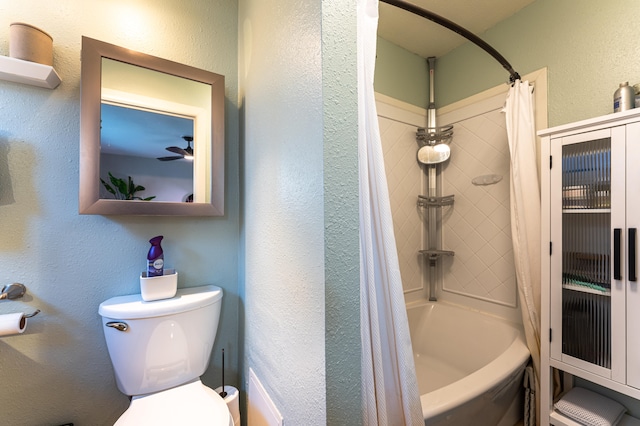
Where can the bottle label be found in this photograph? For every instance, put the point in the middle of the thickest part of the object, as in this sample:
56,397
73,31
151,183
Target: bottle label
155,268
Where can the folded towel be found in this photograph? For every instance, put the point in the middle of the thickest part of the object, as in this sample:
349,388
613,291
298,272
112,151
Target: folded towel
590,408
529,396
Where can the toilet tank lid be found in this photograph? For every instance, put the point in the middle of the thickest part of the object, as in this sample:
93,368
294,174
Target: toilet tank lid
133,307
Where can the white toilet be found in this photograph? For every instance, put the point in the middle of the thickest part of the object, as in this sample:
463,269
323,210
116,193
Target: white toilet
159,350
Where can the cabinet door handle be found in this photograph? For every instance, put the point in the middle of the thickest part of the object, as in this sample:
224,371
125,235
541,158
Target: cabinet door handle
632,255
617,269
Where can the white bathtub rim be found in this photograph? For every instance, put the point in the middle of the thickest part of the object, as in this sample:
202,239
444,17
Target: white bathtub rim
451,396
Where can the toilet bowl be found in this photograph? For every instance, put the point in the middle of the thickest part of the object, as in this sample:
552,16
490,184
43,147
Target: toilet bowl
193,404
159,350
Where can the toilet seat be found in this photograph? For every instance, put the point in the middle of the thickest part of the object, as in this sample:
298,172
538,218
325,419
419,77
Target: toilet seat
192,404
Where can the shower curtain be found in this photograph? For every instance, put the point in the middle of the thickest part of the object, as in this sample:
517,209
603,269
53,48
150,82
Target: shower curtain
389,385
525,215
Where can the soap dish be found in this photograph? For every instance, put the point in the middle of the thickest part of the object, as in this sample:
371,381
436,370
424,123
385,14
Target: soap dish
161,287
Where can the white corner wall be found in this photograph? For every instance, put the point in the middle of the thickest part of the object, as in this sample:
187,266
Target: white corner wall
281,111
300,233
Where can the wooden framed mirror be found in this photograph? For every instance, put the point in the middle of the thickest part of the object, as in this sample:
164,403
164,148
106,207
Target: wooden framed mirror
151,135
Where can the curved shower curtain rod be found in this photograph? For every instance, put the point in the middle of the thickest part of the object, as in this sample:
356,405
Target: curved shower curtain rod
457,29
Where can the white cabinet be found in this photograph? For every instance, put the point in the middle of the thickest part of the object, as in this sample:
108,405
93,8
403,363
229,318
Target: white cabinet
590,220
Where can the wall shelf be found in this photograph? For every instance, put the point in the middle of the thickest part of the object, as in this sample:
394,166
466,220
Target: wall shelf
31,73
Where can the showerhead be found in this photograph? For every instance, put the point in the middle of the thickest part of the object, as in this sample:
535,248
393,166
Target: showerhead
434,154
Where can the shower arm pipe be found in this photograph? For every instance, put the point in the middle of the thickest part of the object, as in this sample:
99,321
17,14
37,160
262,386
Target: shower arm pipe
459,30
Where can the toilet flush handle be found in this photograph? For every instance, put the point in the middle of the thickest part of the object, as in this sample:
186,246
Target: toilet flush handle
118,325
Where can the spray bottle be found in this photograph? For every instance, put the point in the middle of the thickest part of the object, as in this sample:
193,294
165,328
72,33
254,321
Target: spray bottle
624,98
155,258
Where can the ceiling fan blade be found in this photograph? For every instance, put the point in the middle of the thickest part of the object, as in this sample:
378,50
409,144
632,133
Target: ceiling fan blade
177,150
176,157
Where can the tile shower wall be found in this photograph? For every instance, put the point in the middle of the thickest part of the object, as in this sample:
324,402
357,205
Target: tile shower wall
478,226
405,181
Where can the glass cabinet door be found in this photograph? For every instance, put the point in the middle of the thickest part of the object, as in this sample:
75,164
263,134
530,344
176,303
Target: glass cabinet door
586,251
586,258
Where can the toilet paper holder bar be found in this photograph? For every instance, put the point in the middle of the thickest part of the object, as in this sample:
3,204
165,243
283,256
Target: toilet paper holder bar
36,312
16,291
13,291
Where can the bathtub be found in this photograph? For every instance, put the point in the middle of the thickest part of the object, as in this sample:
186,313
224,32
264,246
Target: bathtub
469,365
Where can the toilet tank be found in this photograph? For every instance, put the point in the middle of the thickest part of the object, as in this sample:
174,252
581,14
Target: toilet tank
161,344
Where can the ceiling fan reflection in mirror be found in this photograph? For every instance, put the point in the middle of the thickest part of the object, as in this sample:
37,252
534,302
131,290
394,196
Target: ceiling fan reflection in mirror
186,153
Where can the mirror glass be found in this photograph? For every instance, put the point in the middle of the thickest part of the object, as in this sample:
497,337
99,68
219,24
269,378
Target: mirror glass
152,139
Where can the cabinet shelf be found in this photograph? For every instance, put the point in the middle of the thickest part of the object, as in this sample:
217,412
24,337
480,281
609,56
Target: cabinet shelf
585,210
31,73
576,287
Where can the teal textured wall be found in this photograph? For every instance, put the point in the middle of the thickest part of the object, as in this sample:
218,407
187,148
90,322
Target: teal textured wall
341,210
59,371
401,74
283,220
300,230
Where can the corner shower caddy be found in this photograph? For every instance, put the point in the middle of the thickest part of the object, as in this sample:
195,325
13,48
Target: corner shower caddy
432,202
431,137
